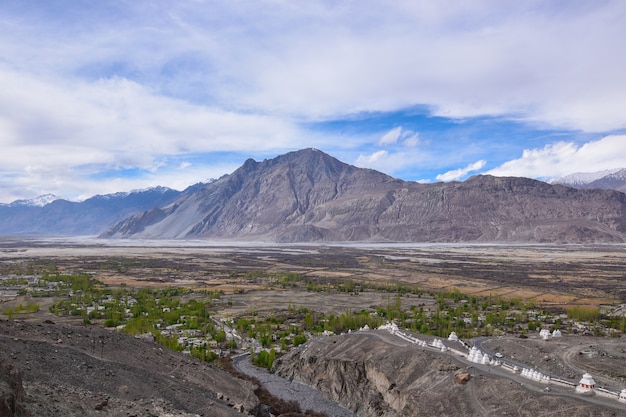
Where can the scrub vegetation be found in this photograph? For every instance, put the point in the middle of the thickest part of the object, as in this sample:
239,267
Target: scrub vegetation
210,305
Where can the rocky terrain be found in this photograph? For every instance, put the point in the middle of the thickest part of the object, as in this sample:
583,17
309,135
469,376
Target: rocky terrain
309,196
376,374
52,369
74,370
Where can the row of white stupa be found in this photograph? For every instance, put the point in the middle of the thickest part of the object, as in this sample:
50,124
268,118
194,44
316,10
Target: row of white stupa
547,334
477,356
585,385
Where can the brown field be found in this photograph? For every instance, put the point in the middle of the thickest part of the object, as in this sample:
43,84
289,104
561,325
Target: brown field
549,275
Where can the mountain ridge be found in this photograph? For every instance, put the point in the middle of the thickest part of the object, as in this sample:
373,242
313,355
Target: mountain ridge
89,217
309,196
610,179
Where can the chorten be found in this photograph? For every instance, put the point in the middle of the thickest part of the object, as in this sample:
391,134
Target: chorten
586,384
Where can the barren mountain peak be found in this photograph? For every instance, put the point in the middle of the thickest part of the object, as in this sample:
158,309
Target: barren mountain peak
308,195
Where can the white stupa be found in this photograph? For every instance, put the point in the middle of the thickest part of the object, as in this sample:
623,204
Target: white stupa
586,384
453,337
437,343
475,355
545,334
557,333
390,327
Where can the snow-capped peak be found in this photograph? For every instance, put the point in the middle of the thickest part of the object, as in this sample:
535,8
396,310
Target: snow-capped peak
582,178
122,194
38,201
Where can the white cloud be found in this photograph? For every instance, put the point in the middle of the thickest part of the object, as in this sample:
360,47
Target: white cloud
535,60
373,159
408,137
527,59
125,85
54,130
392,163
411,140
391,137
564,158
458,174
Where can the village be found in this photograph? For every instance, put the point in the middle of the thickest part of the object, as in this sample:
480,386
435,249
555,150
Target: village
196,322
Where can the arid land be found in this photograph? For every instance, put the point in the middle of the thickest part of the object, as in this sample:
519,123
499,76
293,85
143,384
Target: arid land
549,275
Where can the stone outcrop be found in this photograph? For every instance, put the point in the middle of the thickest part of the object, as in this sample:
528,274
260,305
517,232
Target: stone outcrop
11,391
372,377
461,378
376,374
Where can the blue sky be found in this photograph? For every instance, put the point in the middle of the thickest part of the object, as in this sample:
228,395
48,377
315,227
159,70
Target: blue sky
115,95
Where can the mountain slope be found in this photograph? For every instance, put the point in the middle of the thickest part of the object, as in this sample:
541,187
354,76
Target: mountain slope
614,179
283,199
90,217
65,374
307,195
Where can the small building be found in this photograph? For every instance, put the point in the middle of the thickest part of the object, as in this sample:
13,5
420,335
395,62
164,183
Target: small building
622,396
586,384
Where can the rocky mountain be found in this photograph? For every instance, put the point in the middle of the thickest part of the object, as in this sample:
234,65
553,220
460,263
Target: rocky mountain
308,196
90,217
614,179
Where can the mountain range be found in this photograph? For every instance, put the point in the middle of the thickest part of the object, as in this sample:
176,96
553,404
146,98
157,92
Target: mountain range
614,179
309,196
60,217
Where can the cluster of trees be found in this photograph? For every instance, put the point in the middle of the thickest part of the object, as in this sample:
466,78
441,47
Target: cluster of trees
65,284
29,307
10,282
264,358
150,310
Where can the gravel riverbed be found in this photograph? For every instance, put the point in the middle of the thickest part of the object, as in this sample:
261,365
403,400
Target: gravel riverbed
308,397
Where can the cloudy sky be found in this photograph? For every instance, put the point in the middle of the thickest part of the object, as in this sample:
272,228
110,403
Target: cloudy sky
114,95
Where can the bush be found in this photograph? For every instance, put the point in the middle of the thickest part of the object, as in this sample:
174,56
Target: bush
265,359
299,339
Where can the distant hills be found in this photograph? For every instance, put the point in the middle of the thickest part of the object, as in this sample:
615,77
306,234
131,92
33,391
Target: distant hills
60,217
607,180
309,196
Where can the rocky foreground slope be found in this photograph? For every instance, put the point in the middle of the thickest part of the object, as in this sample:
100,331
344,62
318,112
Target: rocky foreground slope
376,374
59,370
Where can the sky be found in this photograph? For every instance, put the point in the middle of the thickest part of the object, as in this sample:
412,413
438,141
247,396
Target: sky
104,96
